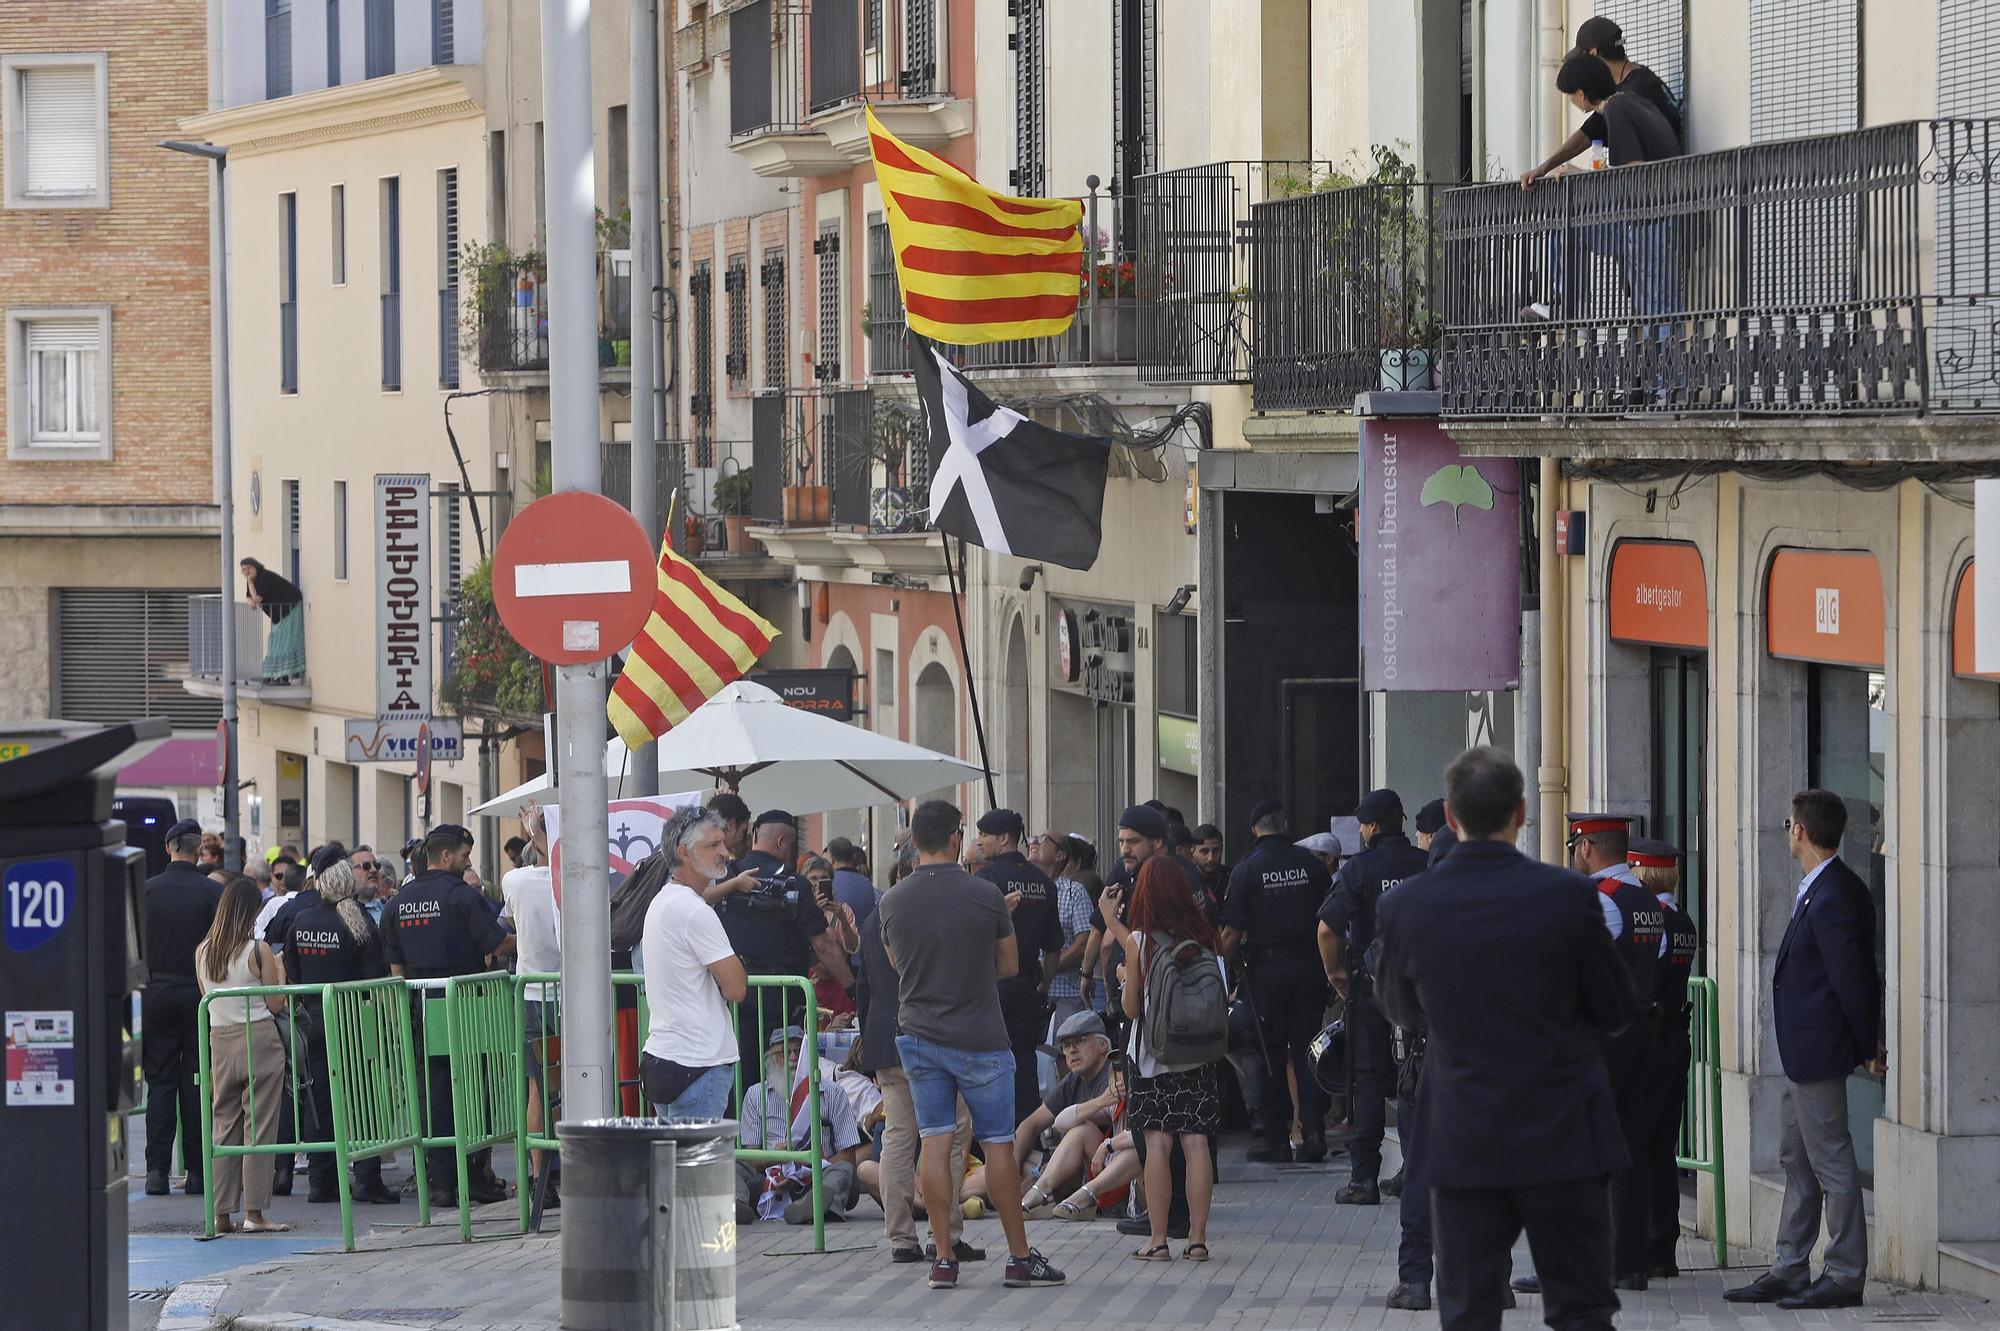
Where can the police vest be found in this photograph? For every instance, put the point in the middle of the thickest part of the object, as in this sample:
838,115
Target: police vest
1678,963
1638,943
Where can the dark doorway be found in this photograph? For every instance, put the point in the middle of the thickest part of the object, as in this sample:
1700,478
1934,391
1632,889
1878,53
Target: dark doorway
1680,775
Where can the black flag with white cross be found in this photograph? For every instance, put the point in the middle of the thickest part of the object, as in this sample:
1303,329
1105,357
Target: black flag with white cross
1000,480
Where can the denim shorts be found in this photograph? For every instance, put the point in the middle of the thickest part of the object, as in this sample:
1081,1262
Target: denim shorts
940,1075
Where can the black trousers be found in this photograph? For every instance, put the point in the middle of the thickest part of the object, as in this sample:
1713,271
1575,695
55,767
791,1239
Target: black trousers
1291,1001
170,1012
1374,1082
779,1008
1569,1235
1629,1060
1026,1013
1413,1254
1670,1082
440,1162
317,1088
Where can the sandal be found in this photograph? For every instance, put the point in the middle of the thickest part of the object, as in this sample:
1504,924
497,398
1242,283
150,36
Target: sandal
1189,1252
1071,1210
1157,1253
265,1227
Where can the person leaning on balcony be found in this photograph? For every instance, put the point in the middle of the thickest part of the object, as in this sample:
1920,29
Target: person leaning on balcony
268,591
1604,39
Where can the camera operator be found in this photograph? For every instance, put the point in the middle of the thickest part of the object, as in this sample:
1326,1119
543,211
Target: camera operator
777,928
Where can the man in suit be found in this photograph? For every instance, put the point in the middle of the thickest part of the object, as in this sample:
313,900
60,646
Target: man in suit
1825,1002
1507,963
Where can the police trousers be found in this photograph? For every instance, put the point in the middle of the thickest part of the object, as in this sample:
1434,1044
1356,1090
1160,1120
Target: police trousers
169,1013
1671,1050
1628,1058
1569,1237
441,1162
317,1087
1413,1255
1374,1082
1290,995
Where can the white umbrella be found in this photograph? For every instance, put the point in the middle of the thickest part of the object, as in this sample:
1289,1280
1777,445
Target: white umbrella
777,757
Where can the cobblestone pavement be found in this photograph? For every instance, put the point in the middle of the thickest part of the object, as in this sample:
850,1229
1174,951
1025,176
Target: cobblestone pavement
1285,1257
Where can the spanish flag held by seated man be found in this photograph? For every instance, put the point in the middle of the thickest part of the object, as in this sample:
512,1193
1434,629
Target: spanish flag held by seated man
975,265
697,639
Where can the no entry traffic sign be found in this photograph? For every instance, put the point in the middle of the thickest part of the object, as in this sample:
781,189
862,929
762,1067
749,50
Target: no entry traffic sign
574,578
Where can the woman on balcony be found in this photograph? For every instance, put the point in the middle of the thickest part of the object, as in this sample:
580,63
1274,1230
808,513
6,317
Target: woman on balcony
280,599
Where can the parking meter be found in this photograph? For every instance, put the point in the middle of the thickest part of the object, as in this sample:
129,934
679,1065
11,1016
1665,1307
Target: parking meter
72,951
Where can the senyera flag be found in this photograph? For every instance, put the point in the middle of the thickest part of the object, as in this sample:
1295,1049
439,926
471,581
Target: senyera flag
975,265
698,639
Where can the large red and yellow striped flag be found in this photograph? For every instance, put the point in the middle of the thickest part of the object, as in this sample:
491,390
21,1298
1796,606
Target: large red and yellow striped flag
975,265
698,639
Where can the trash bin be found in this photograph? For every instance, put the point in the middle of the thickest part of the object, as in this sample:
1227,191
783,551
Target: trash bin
648,1225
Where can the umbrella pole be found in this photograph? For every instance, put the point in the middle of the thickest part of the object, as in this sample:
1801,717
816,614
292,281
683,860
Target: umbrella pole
965,655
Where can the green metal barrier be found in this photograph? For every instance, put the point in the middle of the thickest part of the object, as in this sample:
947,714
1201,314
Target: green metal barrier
1701,1120
367,1033
470,1021
813,1156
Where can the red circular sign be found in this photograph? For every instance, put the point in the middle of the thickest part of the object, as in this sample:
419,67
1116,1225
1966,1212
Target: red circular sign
574,578
423,757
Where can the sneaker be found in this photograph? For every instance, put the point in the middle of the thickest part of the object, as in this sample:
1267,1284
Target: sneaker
1537,312
1393,1185
944,1275
1411,1297
1359,1194
1034,1269
960,1249
906,1255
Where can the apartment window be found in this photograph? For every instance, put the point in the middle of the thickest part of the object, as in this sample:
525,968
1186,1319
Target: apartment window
920,48
772,277
1135,99
496,186
1031,100
451,555
57,150
59,383
340,531
277,48
378,38
391,243
292,551
618,169
288,293
701,335
447,225
826,249
541,188
339,235
736,286
444,38
333,43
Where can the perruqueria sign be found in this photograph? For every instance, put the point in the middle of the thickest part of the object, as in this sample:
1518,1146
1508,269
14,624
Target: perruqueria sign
403,598
393,739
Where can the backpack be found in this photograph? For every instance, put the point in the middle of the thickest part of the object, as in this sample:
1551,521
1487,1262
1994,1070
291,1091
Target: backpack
1185,1021
629,905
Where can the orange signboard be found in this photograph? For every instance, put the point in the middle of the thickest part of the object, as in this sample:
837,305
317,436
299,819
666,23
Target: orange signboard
1826,606
1659,594
1962,654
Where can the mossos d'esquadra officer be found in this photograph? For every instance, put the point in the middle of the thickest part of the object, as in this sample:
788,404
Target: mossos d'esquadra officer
1656,864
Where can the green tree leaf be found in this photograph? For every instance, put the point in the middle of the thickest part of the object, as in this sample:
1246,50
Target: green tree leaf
1457,486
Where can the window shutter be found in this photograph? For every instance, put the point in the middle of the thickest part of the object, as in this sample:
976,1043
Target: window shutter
59,130
123,651
1805,68
63,335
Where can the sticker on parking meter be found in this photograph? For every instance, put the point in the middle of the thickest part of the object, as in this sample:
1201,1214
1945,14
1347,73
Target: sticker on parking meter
41,1058
36,900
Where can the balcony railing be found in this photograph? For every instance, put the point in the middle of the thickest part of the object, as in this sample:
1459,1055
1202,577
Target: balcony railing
1343,286
1843,274
511,326
835,457
790,62
268,651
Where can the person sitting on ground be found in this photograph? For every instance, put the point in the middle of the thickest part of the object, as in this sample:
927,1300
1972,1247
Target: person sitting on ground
782,1121
1079,1109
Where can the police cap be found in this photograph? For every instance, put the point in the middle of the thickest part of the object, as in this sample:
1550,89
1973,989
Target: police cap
1379,806
1651,853
1001,822
1263,809
327,857
185,827
1590,824
1431,817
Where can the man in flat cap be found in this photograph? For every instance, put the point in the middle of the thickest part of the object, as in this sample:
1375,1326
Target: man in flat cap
180,905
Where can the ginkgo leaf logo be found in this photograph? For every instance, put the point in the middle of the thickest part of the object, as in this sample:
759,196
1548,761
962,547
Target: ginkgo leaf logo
1458,486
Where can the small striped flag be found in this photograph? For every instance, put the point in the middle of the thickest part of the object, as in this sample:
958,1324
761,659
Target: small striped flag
698,639
975,265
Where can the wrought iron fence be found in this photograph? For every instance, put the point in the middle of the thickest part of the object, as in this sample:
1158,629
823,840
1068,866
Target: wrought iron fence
839,457
1777,278
1343,291
790,63
513,318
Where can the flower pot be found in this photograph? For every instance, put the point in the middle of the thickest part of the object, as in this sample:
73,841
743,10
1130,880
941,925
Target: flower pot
693,536
621,349
1114,331
1407,370
808,505
736,534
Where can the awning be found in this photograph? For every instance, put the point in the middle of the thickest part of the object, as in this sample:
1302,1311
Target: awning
1826,606
181,761
1659,594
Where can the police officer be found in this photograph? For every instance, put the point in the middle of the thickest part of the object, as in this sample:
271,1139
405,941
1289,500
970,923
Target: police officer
333,941
180,906
278,933
437,927
1267,921
1657,866
1031,895
1430,821
1346,929
775,925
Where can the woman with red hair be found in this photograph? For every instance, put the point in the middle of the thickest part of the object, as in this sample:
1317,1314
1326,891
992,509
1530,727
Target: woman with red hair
1168,1100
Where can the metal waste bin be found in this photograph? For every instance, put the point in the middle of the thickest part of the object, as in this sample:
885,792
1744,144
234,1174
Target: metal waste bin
648,1225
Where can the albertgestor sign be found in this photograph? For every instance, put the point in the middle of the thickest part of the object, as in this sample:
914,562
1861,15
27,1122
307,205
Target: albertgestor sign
403,597
1659,594
826,692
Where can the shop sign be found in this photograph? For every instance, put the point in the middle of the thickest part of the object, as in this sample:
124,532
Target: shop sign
1825,606
1440,544
1179,742
1963,619
1659,594
828,693
390,739
403,596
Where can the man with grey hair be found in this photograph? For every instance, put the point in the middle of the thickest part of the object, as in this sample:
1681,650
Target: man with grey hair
692,975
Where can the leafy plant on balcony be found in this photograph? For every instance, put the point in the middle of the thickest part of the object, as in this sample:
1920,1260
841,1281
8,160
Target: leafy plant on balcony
490,672
732,493
488,275
614,230
1378,251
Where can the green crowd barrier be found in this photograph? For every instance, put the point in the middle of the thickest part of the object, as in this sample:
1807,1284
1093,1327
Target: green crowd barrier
1701,1120
471,1022
813,1156
371,1073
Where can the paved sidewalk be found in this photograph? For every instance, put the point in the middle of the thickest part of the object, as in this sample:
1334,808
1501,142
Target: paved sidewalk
1285,1257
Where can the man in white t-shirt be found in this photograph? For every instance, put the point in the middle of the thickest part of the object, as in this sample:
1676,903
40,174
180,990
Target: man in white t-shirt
692,975
530,907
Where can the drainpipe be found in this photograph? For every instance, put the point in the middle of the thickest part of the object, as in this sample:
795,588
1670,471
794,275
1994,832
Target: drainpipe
1478,90
1552,775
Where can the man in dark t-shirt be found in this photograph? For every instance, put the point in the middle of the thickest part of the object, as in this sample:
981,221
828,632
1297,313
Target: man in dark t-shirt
1602,38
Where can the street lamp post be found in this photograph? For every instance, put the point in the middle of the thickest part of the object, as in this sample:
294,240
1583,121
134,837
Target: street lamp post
218,255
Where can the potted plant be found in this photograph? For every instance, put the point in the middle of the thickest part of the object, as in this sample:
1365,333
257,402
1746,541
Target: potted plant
1379,267
732,500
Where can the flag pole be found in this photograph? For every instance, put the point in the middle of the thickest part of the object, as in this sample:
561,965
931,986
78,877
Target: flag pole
965,655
